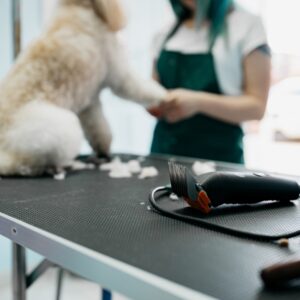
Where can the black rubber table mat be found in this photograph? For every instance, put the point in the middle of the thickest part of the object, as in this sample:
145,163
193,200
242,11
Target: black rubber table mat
113,218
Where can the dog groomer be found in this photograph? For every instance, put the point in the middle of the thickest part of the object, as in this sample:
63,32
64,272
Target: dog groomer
216,63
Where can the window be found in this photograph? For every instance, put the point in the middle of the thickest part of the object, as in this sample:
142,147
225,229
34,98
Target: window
275,145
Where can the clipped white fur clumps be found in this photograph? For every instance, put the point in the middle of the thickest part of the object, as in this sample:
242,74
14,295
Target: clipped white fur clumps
80,166
75,166
116,168
119,169
203,167
109,166
134,166
148,172
174,197
60,176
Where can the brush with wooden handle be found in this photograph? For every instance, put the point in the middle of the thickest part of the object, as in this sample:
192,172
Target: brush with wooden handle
281,273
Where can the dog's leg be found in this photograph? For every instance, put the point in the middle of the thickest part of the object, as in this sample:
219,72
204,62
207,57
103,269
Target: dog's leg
127,84
145,92
142,91
96,128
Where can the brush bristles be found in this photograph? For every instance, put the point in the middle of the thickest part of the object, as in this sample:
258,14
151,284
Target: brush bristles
178,179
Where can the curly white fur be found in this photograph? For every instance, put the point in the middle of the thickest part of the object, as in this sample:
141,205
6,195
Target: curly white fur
52,91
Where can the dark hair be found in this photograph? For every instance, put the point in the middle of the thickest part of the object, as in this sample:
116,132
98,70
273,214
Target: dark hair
214,11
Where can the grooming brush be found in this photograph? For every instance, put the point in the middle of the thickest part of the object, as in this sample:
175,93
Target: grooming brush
281,273
217,188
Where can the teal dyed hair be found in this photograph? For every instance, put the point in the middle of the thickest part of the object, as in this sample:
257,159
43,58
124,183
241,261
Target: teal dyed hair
214,11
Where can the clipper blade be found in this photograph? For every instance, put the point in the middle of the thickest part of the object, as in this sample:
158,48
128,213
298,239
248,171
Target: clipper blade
183,182
178,180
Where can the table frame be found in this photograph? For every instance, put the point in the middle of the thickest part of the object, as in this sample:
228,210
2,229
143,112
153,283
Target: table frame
108,272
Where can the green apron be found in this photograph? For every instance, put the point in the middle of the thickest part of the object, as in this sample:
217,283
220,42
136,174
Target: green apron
199,136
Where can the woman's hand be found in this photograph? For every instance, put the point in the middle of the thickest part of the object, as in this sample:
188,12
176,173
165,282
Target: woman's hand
155,111
180,104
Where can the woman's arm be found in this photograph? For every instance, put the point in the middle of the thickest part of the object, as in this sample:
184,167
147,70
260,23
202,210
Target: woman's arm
251,105
155,75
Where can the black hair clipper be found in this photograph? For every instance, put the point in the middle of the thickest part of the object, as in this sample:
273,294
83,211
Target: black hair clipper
217,188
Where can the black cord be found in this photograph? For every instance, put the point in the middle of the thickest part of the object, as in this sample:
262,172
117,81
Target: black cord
165,190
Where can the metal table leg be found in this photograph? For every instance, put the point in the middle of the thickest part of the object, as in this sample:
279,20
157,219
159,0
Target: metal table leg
19,259
59,283
19,272
106,295
21,281
16,22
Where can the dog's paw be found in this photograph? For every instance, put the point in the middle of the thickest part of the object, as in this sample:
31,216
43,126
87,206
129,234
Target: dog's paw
99,159
159,93
94,160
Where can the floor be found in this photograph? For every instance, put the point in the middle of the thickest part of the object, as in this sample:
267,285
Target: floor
73,288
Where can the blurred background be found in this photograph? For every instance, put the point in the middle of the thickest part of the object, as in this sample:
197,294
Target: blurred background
273,144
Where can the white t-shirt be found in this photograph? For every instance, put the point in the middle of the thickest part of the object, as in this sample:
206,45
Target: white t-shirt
245,33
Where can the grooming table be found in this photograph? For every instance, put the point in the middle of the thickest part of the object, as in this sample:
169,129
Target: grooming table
102,229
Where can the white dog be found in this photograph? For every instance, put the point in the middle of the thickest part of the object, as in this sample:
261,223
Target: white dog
52,91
